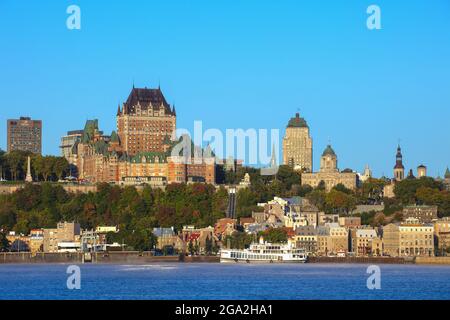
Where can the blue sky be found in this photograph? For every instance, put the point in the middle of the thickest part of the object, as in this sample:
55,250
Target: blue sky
240,64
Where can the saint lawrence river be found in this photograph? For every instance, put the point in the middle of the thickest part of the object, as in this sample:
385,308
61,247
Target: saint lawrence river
180,281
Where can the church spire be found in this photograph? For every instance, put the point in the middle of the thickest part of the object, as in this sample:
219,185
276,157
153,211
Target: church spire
273,161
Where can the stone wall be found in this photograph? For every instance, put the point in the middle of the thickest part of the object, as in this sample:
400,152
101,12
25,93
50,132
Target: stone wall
433,260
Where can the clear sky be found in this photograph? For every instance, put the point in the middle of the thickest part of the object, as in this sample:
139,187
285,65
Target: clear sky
240,64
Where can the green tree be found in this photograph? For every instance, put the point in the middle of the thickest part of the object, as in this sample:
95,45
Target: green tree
191,248
60,167
275,235
405,190
208,245
4,242
339,202
317,198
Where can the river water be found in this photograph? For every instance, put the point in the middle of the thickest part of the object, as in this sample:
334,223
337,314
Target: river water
218,281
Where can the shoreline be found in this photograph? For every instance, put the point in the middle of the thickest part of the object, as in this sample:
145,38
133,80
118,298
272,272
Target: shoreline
140,258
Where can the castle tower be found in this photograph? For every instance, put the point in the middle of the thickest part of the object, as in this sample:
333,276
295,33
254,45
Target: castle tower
297,145
144,121
399,169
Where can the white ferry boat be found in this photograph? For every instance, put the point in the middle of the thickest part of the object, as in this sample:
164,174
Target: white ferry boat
264,252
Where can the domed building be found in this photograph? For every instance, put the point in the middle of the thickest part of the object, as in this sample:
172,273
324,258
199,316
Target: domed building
329,173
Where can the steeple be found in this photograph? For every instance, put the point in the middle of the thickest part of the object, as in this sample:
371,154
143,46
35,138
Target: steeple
399,169
447,174
118,110
273,161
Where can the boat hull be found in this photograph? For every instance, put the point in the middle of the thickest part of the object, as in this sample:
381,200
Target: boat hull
243,261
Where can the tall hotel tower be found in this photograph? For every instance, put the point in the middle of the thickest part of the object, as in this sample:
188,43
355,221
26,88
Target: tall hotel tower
297,145
145,121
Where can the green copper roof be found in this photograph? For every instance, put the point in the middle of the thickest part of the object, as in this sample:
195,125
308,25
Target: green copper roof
150,157
114,137
101,147
447,174
297,122
328,151
89,130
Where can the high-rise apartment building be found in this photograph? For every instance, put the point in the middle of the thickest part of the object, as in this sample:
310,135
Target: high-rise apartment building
297,145
24,134
145,121
69,145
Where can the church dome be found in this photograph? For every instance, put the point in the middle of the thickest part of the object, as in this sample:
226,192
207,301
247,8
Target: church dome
328,151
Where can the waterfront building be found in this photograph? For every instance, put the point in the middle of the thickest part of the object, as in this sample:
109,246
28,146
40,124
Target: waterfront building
323,241
55,239
198,237
306,237
166,237
425,214
330,174
442,233
18,242
408,239
24,134
36,240
339,238
377,247
145,121
298,145
332,239
364,241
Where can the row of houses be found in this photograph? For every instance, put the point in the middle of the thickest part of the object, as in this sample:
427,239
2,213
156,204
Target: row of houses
421,233
66,237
